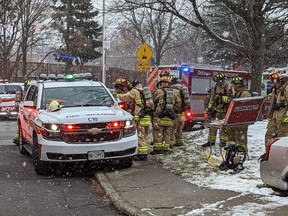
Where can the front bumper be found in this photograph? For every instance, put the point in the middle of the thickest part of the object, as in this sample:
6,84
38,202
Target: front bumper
272,178
11,115
60,151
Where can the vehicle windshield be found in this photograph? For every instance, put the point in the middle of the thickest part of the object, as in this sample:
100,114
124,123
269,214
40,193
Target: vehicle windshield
77,96
9,89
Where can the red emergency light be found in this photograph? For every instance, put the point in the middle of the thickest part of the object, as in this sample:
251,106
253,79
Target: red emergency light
188,114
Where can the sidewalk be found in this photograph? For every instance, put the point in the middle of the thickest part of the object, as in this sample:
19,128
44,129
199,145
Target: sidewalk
149,189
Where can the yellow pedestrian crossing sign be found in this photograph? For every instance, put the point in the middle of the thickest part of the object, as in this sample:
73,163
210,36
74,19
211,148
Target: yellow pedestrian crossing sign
144,53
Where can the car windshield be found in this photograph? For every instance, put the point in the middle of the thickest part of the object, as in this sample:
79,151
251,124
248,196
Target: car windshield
9,89
2,89
77,96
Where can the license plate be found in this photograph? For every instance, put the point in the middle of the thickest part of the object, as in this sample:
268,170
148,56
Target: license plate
95,155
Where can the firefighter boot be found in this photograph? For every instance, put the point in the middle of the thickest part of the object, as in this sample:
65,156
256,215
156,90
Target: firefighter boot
16,139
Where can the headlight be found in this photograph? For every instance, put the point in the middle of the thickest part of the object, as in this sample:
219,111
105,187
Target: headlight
52,132
129,128
52,127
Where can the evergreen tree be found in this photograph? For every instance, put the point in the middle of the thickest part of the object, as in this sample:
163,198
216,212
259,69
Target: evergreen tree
75,21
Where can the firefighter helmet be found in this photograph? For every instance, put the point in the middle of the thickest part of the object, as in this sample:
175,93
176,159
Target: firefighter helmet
165,79
121,81
276,77
164,73
237,80
219,76
173,78
53,106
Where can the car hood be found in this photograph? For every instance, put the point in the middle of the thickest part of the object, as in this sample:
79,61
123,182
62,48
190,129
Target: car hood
84,115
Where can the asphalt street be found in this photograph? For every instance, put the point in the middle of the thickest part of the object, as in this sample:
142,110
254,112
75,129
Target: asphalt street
70,191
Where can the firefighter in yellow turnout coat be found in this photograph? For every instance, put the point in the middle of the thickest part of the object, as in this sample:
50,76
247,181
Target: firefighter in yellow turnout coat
278,123
238,134
166,101
177,136
142,122
217,107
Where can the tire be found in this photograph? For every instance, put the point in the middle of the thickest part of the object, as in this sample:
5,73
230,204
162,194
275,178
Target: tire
22,142
279,192
40,167
126,163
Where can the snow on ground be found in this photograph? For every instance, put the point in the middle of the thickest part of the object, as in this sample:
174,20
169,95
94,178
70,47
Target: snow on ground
189,162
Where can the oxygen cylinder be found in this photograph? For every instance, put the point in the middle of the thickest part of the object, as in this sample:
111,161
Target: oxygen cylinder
185,97
169,99
148,98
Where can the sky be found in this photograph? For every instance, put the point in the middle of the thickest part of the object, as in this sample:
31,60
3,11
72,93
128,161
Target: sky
189,162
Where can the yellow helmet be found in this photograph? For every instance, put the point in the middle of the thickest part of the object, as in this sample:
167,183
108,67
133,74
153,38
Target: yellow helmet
165,79
53,106
219,76
276,76
237,80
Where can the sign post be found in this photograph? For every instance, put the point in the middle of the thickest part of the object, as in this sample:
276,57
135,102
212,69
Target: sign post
144,54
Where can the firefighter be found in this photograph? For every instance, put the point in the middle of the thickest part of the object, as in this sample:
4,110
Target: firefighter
217,106
238,134
165,101
177,137
122,85
163,73
206,103
270,128
142,119
278,123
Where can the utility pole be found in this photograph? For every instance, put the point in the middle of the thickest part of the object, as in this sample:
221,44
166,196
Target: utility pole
103,48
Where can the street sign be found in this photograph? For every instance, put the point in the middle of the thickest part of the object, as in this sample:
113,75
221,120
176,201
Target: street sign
143,66
144,53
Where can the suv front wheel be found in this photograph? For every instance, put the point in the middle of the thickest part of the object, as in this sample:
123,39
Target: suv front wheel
40,167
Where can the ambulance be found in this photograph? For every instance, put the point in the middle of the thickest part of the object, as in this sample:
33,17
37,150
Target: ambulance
198,79
8,100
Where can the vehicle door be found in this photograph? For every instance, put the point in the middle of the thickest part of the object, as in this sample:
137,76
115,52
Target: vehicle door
25,112
199,86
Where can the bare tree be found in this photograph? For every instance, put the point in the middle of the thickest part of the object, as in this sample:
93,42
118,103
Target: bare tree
21,22
265,26
155,27
9,36
34,27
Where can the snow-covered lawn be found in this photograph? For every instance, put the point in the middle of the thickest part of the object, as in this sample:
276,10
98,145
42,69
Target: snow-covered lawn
189,162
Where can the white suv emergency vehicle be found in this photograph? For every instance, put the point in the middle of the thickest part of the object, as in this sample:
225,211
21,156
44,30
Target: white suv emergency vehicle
89,126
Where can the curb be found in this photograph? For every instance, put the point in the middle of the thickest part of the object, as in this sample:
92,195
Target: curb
121,204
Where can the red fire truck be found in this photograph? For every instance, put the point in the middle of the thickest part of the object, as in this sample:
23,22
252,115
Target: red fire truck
198,78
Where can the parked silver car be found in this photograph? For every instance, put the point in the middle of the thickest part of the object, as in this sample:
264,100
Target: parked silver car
274,164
